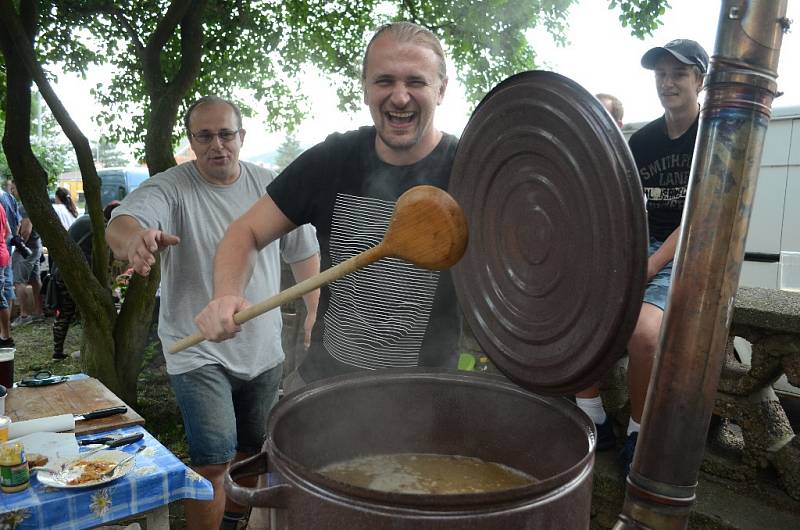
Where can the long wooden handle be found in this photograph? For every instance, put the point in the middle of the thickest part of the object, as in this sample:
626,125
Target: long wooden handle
296,291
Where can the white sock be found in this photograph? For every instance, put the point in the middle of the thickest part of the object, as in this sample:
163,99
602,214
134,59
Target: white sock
632,426
593,407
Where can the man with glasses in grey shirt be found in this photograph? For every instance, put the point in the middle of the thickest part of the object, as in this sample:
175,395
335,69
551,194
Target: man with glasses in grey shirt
224,390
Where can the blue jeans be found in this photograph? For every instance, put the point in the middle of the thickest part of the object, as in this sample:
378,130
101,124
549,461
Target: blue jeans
658,287
223,414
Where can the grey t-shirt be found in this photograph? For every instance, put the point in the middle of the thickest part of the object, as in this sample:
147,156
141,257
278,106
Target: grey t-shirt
180,202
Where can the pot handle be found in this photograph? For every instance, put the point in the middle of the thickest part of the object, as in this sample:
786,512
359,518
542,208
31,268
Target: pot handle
269,497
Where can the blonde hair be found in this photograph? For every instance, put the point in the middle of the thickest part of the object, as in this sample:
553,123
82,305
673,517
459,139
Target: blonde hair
617,110
409,32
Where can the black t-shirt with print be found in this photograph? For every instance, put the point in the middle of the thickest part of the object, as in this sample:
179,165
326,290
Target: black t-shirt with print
391,313
664,165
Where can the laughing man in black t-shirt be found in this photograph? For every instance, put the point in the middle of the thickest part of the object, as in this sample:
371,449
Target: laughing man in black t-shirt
391,313
663,152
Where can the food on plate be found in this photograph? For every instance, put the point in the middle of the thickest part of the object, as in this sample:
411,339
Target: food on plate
91,470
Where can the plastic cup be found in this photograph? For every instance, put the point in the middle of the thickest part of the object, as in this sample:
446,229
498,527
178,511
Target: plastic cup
7,366
5,422
790,271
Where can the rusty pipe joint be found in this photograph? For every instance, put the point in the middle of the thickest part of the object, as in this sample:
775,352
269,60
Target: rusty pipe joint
744,66
751,31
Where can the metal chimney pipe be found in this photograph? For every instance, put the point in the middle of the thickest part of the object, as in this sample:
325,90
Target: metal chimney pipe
740,87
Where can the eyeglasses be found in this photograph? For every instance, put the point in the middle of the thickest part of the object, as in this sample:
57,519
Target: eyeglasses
206,137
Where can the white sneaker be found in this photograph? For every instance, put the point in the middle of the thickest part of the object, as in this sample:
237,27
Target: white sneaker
21,320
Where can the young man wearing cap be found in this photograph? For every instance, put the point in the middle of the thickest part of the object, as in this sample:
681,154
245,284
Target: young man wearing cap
663,152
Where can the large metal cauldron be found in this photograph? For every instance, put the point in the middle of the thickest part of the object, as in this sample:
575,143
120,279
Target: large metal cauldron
425,412
550,284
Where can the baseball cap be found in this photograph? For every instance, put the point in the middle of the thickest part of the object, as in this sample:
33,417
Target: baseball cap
684,50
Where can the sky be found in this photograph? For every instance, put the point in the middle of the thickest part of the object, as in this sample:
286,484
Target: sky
601,55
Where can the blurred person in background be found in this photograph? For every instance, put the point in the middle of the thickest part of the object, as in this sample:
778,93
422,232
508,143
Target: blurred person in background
5,259
614,107
25,263
7,297
81,233
65,208
589,400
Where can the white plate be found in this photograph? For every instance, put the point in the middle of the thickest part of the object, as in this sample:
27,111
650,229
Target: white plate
70,471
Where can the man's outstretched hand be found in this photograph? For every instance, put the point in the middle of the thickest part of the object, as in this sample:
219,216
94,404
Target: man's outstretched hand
144,246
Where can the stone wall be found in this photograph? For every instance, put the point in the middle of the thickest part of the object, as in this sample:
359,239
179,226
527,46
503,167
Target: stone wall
769,321
750,475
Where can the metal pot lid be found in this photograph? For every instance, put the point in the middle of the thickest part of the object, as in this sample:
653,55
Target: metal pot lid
552,280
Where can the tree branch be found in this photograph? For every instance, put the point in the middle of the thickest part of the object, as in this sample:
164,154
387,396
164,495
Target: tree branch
191,49
119,16
151,57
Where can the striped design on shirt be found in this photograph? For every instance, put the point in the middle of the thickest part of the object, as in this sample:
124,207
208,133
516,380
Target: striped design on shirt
377,316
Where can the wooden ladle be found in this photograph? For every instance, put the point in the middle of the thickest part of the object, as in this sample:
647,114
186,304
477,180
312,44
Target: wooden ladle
428,229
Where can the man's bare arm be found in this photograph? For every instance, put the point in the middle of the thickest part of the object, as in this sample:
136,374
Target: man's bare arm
132,242
663,255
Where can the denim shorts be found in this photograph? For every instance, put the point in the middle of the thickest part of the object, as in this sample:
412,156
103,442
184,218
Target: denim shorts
26,269
6,287
223,414
658,287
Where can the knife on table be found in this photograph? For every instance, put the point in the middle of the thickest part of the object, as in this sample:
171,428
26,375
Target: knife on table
60,423
101,413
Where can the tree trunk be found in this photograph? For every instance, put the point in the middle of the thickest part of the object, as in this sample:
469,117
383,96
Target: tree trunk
113,344
133,327
91,293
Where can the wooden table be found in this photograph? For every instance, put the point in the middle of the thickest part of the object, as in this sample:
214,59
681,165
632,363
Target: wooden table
76,396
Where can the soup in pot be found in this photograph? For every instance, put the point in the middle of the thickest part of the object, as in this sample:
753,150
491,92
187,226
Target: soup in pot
429,474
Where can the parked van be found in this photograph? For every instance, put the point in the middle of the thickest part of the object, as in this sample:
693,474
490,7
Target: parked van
772,250
117,182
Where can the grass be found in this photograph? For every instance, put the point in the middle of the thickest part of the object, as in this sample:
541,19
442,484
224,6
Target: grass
34,343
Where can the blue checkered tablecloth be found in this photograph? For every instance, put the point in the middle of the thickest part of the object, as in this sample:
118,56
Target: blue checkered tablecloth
159,478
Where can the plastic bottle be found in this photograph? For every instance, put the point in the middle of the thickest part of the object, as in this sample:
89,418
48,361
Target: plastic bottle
14,473
5,422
